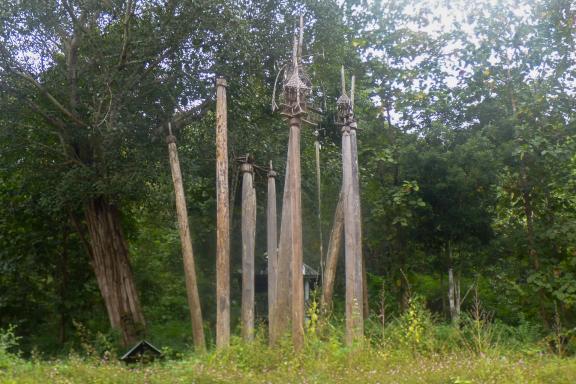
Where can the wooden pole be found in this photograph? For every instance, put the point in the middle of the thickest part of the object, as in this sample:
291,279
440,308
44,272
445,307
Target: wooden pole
281,317
353,299
290,258
361,283
319,197
248,243
296,231
353,261
290,278
222,220
334,246
272,245
186,241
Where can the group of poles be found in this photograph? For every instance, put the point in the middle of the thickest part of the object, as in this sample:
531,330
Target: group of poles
286,306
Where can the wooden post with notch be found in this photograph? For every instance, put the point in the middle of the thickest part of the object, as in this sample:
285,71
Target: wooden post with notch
222,220
186,242
248,245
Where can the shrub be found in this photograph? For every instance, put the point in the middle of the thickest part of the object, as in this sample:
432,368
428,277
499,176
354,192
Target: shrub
8,345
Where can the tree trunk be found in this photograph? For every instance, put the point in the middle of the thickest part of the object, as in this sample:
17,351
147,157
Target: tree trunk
111,265
528,209
451,296
457,296
62,278
248,243
222,220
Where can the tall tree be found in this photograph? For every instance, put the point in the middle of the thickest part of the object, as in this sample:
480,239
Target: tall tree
100,78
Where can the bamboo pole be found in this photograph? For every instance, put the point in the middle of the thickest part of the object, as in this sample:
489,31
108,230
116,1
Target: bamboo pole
248,243
222,220
186,242
272,245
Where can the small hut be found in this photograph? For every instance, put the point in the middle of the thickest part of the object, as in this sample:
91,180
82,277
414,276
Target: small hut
142,352
311,281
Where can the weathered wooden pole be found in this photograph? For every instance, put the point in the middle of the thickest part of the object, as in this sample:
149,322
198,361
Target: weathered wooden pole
317,147
248,244
278,323
296,230
222,220
272,244
186,241
354,296
360,262
290,257
334,246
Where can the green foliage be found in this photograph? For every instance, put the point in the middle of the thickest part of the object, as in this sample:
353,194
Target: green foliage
8,344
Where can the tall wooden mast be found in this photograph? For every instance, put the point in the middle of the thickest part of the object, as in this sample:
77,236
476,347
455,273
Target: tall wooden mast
353,260
222,220
290,258
248,246
360,262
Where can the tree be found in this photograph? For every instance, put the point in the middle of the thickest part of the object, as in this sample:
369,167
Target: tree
98,78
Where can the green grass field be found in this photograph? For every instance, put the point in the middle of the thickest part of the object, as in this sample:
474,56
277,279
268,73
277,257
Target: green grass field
326,364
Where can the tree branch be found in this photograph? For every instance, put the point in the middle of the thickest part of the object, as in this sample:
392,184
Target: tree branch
126,37
50,97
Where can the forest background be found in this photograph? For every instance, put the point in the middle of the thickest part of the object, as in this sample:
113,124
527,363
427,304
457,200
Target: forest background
466,152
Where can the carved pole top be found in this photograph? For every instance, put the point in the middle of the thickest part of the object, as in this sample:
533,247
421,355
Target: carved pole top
271,171
221,82
345,105
296,86
246,167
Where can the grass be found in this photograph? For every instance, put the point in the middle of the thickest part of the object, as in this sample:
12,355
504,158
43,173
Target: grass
321,362
412,348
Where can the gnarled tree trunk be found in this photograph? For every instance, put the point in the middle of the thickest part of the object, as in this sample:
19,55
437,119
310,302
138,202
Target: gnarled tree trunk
111,265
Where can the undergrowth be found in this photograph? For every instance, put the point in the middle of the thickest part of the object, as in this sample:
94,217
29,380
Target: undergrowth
411,348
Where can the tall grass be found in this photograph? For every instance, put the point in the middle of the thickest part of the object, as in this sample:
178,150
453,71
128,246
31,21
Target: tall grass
413,347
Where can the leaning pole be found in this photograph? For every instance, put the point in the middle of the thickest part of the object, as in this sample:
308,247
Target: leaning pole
272,244
186,243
